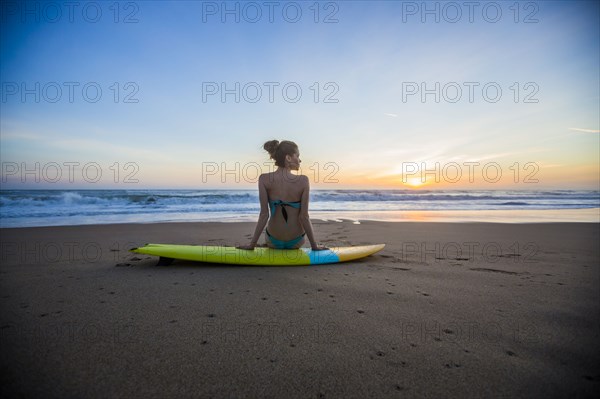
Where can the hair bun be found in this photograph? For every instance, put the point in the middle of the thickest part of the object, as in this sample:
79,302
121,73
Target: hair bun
271,147
279,150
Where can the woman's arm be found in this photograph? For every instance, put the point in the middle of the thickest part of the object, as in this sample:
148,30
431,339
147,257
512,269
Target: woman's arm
305,219
263,217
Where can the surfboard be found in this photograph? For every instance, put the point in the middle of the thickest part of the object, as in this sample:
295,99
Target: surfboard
260,256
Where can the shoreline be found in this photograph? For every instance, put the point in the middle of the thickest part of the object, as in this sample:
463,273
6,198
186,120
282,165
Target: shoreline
585,215
445,309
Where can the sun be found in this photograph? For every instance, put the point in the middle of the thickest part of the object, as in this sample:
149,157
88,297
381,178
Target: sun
415,182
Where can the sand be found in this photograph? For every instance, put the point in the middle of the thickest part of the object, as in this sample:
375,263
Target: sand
446,310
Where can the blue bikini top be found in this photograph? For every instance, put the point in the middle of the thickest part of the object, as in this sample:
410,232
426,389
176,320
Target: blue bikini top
283,204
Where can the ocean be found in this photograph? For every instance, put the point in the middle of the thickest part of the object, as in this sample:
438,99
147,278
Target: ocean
24,208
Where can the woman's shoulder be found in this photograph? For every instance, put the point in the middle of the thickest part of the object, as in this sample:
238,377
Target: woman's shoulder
272,177
303,179
266,179
266,176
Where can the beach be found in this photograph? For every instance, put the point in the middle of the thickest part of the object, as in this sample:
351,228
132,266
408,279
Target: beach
445,310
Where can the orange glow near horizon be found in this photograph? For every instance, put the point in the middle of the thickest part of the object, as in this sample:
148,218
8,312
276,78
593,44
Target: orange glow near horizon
415,182
544,176
191,176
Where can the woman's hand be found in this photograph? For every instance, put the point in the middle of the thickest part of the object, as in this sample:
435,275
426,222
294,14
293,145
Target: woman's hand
246,247
319,248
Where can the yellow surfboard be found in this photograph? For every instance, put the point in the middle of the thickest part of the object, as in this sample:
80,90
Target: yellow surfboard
260,256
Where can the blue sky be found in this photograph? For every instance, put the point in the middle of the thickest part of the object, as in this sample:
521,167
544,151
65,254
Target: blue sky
366,59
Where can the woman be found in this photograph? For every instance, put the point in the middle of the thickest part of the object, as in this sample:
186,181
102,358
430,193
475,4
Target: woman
286,194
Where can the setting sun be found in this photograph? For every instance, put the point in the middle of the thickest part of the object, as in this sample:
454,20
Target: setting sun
415,182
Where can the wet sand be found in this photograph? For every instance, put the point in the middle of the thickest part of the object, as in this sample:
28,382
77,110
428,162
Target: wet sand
445,310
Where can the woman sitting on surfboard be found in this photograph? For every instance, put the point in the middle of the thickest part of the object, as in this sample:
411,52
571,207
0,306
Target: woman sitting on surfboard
283,201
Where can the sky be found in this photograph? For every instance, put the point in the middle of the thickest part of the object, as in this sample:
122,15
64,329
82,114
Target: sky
378,94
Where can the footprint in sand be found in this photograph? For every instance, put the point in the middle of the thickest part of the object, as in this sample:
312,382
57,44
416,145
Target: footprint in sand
378,354
452,365
396,364
485,269
591,378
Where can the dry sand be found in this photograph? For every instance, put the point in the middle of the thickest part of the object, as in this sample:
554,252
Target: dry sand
446,310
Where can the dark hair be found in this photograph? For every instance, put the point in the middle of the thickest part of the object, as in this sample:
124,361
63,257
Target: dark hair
278,150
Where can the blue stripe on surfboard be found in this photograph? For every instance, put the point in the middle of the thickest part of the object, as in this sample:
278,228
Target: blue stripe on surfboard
320,257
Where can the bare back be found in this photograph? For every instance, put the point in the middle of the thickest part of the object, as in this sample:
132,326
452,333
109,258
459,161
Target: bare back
285,186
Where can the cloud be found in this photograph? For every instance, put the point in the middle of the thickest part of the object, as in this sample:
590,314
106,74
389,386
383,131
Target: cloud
550,165
495,156
392,115
584,130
